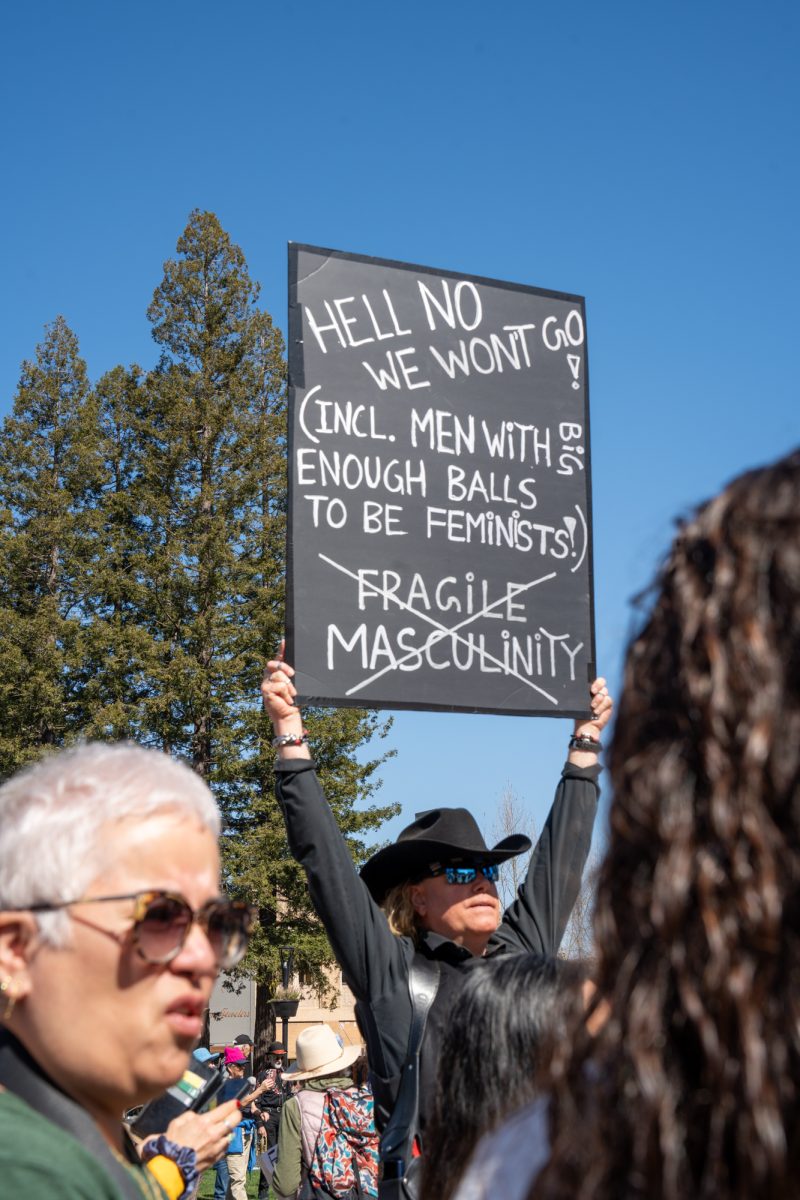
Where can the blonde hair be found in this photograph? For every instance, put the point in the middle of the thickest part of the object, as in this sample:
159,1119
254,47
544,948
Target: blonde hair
400,912
402,916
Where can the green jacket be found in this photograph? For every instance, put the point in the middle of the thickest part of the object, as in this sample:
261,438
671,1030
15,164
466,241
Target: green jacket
39,1161
289,1164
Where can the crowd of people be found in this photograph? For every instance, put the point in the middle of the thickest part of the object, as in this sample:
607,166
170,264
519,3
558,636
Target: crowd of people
667,1066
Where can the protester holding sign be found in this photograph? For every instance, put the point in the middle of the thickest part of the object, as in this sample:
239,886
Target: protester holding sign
432,892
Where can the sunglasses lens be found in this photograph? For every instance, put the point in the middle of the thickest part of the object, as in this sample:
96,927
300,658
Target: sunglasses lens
490,871
460,874
228,925
162,929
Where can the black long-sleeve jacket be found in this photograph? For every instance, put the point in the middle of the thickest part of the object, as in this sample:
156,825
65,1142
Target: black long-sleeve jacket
375,962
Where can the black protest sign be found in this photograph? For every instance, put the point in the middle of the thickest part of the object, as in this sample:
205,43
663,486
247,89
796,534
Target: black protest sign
439,500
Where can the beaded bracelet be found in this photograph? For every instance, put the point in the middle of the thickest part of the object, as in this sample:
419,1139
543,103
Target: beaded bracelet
289,739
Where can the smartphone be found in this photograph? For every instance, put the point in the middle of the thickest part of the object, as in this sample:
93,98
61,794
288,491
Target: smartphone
193,1092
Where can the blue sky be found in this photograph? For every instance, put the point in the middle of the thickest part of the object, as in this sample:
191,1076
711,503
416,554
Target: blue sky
644,156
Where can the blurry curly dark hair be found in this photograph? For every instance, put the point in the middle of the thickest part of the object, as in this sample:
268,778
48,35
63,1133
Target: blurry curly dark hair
690,1088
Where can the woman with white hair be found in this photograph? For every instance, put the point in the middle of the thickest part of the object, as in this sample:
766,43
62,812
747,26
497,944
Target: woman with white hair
112,931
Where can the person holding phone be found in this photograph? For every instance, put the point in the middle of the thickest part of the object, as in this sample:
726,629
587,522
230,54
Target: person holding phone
112,932
269,1104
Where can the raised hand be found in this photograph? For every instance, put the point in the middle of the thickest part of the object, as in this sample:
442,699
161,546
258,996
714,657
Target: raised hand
279,694
602,706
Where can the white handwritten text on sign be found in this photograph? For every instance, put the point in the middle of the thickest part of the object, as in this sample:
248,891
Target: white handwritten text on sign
440,545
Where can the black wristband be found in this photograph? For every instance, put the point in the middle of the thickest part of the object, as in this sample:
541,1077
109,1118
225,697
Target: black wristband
581,742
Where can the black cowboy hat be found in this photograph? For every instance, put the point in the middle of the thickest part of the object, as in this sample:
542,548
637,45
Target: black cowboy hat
442,835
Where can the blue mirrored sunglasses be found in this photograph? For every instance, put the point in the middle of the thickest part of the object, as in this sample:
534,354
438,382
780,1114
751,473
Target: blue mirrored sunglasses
490,871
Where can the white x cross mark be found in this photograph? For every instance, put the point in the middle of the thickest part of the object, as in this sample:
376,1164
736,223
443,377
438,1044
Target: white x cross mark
443,630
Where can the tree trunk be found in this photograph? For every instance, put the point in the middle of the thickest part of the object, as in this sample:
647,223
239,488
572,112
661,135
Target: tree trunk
264,1032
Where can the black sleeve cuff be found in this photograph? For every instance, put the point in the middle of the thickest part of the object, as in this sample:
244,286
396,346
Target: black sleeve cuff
570,771
294,766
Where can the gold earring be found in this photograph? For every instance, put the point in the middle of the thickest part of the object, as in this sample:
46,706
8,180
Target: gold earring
8,992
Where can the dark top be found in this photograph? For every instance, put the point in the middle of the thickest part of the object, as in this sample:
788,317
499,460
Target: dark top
375,962
273,1097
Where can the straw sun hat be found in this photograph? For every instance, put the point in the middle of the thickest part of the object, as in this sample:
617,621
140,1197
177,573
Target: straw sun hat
319,1053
